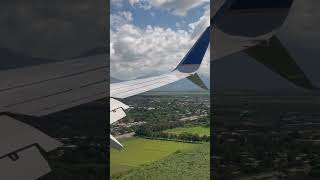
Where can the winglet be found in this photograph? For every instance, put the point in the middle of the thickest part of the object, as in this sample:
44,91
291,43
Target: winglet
192,61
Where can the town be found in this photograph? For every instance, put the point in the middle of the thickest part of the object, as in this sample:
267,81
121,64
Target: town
163,112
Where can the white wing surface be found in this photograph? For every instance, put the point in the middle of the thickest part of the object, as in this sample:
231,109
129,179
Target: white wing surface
134,87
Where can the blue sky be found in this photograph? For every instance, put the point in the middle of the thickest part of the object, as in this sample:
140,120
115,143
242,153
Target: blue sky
149,37
159,17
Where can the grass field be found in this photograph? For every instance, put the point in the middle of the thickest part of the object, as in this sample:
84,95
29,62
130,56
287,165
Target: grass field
193,163
138,151
201,131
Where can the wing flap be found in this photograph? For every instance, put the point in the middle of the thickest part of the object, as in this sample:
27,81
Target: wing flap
117,110
115,104
116,113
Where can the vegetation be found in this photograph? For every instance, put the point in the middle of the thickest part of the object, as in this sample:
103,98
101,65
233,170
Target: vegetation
165,109
140,151
153,147
201,131
184,134
186,164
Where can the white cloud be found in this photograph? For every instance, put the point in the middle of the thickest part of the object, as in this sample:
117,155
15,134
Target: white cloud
121,18
204,21
177,7
137,52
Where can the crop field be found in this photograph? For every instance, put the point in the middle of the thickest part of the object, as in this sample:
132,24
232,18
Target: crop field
193,163
201,131
138,151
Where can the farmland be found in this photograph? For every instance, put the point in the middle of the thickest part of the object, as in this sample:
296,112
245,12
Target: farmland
165,127
140,151
201,131
192,163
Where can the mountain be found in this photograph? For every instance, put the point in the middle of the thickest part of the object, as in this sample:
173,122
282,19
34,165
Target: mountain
114,80
184,85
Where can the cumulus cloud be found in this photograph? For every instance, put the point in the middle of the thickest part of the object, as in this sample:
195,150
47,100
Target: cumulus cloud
137,52
120,18
177,7
198,26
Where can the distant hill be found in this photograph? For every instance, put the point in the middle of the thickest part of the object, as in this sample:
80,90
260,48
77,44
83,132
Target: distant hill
184,85
114,80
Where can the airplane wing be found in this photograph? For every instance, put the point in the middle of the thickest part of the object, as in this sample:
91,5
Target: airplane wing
37,91
250,26
186,69
134,87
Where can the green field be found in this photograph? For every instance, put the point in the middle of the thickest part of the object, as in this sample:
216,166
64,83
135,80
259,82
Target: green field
201,131
193,163
138,151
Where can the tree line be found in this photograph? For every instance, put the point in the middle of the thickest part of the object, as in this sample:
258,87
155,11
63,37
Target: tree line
150,132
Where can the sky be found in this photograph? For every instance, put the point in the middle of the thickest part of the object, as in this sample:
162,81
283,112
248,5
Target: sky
150,37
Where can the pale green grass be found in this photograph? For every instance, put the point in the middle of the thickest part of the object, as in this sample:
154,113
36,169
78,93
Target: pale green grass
189,164
139,151
201,131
